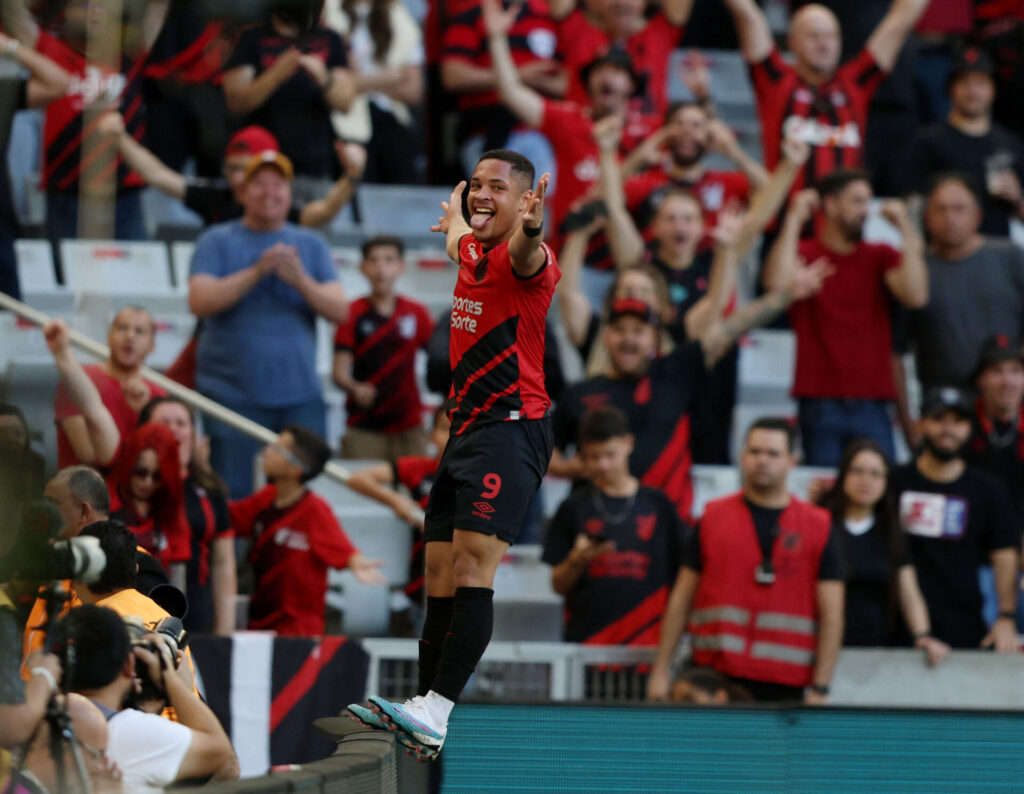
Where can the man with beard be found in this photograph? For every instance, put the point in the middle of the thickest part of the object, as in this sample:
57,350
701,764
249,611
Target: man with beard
691,135
844,376
957,518
968,142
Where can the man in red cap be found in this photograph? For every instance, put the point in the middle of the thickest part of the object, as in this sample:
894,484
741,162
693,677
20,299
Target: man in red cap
216,201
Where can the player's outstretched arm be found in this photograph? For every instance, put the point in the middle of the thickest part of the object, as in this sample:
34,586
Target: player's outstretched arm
525,246
452,223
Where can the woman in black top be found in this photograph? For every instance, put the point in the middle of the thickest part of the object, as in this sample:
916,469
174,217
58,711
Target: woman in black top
210,577
879,573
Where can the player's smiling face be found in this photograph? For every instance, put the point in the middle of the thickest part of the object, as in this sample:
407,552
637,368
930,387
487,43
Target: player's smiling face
497,200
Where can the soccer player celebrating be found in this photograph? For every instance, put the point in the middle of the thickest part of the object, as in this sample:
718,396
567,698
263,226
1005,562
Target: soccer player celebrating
500,441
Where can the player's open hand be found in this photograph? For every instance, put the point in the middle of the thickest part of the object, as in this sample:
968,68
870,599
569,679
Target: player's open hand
803,205
728,226
498,21
135,392
694,73
895,212
452,209
533,218
366,570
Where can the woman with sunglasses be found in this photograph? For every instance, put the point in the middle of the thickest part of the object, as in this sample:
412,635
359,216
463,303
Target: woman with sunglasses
880,581
211,582
147,495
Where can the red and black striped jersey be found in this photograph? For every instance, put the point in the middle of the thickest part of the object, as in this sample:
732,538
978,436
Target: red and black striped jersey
384,354
496,346
75,151
190,50
621,596
830,117
580,42
658,406
533,38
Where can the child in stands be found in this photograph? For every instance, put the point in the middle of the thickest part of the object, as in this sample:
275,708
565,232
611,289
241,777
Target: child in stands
296,538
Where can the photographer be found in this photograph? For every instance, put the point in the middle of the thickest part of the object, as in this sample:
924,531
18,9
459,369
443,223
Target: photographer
151,752
22,705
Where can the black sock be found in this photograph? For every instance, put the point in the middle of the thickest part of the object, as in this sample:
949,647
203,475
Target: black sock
435,627
470,632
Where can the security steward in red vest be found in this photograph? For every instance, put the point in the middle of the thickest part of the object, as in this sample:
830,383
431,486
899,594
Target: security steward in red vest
761,585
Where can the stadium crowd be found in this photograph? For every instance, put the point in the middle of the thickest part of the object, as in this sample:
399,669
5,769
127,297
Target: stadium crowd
265,125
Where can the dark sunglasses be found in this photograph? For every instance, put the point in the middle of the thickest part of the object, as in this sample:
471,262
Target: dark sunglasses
146,474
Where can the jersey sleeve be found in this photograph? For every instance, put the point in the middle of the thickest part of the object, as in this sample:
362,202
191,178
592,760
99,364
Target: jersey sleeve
1003,526
864,73
888,258
147,748
345,336
832,566
462,40
767,75
221,516
243,512
330,543
207,258
337,58
562,532
664,34
320,265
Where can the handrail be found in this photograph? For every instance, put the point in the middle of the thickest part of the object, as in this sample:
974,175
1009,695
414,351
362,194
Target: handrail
183,393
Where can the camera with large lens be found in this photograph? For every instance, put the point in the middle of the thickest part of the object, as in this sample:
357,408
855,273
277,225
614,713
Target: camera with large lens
39,554
174,632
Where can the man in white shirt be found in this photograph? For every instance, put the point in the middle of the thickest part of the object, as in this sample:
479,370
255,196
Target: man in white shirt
151,752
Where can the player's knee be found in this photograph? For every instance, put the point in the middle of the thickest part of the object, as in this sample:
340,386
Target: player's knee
474,568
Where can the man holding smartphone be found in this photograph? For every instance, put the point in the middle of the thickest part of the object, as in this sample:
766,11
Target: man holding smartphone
615,544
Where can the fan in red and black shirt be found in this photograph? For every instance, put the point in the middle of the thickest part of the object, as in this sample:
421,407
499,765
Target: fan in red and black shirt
615,545
375,357
693,134
466,69
997,437
822,102
76,158
648,41
611,83
500,439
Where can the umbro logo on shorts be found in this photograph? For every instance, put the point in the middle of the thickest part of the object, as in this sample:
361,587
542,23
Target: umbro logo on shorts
483,509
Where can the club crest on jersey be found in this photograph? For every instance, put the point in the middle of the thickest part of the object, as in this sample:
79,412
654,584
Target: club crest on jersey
407,326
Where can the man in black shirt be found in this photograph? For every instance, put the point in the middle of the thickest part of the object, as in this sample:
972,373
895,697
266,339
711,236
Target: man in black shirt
957,518
997,438
219,200
615,545
969,142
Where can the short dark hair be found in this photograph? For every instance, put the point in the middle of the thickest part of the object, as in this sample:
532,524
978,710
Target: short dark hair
834,183
967,181
777,425
310,449
683,104
85,484
383,241
603,424
118,543
101,641
521,166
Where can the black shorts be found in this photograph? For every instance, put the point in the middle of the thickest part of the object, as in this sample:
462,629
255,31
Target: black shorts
486,479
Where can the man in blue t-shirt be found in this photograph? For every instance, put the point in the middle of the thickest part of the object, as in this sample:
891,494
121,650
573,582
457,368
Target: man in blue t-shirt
259,283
